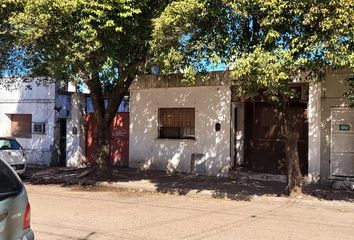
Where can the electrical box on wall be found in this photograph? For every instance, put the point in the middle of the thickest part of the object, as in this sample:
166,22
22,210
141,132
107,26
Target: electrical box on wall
39,128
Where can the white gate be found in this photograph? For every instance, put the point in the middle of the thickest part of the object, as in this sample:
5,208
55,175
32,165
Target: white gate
342,144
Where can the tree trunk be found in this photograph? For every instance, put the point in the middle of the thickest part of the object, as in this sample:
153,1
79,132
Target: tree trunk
104,116
101,165
294,177
102,157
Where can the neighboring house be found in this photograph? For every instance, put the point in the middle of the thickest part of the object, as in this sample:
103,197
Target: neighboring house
333,134
42,119
27,113
206,129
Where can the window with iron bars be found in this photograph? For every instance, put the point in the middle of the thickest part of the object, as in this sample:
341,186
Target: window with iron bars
176,123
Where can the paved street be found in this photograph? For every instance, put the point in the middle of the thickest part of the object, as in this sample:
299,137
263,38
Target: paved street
71,213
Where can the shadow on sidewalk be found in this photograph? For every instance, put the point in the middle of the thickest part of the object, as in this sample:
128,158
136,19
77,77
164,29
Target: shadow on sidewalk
235,187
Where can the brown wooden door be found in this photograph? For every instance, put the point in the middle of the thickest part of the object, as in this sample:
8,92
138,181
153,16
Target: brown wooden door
265,150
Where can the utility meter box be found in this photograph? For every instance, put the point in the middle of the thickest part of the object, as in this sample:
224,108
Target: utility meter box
39,128
197,163
342,142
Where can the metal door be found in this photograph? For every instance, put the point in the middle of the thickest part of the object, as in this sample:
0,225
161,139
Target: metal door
265,149
62,143
119,139
342,143
119,142
91,134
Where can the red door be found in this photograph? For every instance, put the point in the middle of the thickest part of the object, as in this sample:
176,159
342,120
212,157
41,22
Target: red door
119,139
119,142
91,134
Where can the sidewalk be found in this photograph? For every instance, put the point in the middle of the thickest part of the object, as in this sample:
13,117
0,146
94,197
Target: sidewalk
237,187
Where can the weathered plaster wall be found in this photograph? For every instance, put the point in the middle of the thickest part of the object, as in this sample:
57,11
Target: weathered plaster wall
38,100
212,105
75,142
314,133
333,89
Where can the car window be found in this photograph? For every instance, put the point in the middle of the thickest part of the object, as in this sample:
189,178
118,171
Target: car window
9,183
9,144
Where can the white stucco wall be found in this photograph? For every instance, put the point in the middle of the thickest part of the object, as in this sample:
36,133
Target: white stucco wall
332,96
314,133
29,98
75,142
212,105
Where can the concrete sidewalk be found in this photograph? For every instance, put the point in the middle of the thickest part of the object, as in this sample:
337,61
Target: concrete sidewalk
236,187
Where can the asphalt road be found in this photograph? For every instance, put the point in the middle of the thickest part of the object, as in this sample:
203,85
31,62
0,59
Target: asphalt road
68,213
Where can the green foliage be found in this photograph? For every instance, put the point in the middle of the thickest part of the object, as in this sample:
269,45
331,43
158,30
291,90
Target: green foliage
103,43
7,48
65,38
350,93
263,70
192,33
266,43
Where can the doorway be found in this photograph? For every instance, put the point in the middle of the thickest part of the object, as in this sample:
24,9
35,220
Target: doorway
118,140
237,134
62,143
264,143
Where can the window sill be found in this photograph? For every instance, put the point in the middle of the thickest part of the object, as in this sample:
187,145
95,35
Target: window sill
22,137
177,139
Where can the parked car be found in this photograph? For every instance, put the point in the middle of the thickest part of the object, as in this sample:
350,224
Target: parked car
15,210
12,152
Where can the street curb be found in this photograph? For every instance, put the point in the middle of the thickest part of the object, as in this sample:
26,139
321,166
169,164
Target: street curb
339,205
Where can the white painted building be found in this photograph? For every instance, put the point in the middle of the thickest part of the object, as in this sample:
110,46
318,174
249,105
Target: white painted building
218,139
46,124
175,127
198,140
335,134
27,113
75,141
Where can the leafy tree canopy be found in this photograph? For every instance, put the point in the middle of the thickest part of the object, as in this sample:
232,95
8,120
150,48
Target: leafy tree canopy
103,43
66,38
265,42
9,62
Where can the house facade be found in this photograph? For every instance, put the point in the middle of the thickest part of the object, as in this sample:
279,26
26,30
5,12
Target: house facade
335,145
202,128
27,113
206,129
45,119
179,128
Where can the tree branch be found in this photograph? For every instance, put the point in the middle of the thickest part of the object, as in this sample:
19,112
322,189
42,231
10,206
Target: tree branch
126,77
